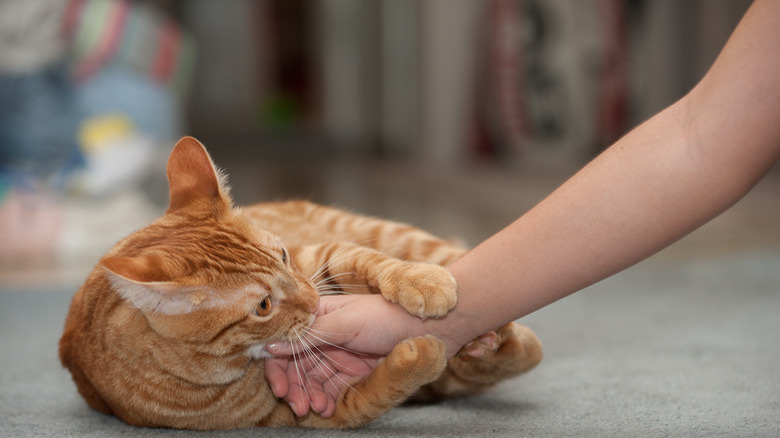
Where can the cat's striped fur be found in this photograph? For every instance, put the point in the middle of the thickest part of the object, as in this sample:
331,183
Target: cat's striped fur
168,330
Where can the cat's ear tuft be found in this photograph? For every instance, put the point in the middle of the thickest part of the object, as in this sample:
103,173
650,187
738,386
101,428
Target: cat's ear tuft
144,283
193,180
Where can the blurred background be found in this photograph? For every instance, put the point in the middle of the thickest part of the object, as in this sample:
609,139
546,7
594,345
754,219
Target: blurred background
454,115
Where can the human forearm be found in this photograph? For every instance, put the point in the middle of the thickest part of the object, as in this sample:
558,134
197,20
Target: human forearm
661,181
645,192
611,214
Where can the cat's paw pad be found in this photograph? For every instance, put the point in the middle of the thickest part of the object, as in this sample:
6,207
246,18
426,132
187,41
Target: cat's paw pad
424,290
511,350
422,358
480,348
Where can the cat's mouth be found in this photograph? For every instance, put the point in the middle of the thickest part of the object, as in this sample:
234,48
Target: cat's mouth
258,351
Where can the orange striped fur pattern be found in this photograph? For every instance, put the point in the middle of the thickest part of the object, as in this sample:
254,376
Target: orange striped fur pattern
169,329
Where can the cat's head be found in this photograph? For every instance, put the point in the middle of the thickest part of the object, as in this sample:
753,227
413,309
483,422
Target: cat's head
203,274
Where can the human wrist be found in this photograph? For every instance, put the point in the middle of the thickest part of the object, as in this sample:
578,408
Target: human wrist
468,320
465,322
453,329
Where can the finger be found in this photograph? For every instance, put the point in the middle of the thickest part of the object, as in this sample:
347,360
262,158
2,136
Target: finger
276,374
333,392
334,329
318,399
306,395
330,303
354,364
330,409
280,348
318,336
298,400
334,386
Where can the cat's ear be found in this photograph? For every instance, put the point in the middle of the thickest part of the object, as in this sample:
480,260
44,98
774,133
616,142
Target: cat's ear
144,282
193,180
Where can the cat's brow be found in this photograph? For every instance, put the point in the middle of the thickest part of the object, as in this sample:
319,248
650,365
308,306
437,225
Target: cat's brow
237,240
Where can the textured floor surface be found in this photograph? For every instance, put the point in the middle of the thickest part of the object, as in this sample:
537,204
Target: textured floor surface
668,349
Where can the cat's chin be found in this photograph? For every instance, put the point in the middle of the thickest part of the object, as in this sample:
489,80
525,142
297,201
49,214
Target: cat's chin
258,351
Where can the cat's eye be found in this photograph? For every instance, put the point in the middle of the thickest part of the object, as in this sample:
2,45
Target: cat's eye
264,307
285,257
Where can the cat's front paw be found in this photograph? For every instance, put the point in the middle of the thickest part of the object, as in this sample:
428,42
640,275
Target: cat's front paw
421,359
424,290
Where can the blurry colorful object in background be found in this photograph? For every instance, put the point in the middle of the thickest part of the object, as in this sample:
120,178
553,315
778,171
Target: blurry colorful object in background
132,34
90,95
552,82
116,155
131,63
37,102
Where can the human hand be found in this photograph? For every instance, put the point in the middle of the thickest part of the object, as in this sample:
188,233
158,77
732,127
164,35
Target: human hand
349,336
313,379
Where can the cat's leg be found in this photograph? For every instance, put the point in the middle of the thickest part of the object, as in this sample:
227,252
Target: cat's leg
412,363
423,289
495,356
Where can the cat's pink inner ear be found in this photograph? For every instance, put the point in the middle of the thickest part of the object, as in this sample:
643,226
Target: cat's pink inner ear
143,282
192,179
142,269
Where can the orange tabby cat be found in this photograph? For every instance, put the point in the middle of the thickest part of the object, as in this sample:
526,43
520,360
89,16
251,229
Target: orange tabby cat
169,329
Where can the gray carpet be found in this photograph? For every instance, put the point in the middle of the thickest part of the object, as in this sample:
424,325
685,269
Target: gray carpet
685,348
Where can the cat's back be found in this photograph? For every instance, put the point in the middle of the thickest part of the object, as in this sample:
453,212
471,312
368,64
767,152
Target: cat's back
301,222
306,223
296,222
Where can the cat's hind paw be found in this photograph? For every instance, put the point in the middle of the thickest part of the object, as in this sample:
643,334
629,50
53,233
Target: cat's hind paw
481,347
510,350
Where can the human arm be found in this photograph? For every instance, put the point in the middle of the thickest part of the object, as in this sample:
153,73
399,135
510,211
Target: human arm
664,179
667,177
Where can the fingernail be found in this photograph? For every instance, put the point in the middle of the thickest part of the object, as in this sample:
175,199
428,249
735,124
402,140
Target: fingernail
294,408
277,346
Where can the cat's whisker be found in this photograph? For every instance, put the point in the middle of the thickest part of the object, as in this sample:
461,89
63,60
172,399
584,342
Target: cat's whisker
332,292
334,276
329,281
324,367
339,288
319,272
303,390
334,286
309,351
333,261
343,286
320,364
318,335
